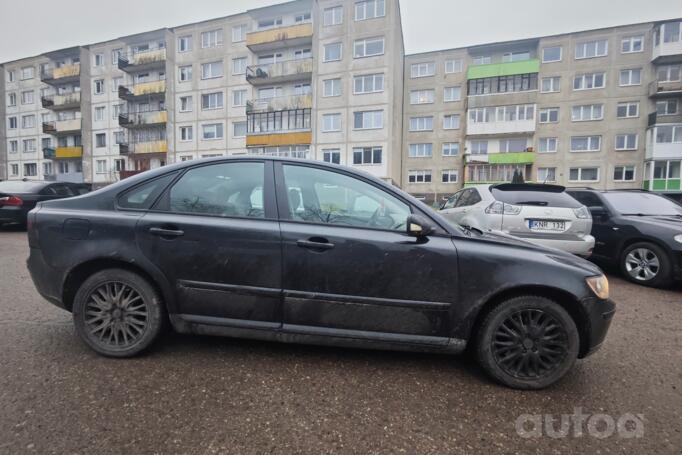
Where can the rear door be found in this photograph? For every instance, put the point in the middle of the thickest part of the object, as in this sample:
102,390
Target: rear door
606,234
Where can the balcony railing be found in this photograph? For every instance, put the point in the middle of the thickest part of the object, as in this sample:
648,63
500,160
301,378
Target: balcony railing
280,37
280,103
148,59
62,126
525,157
58,102
142,119
61,74
287,71
51,153
149,147
660,89
503,69
130,92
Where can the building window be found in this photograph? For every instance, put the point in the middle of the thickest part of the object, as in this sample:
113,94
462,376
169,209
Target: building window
449,176
482,60
421,123
115,83
186,133
551,84
101,166
669,73
626,141
549,115
668,134
119,165
30,170
332,16
100,113
513,145
551,54
211,70
29,145
212,131
627,110
119,137
238,98
239,65
239,33
587,113
547,144
510,113
368,47
368,83
419,176
367,155
450,148
13,146
666,107
589,81
238,129
47,168
11,77
213,38
12,123
331,156
546,174
422,96
28,121
453,66
369,9
624,173
331,122
185,43
583,174
424,150
422,69
590,49
331,87
212,101
265,24
27,72
185,73
100,140
479,147
14,169
27,97
115,55
503,84
451,122
368,120
451,94
630,77
332,52
99,59
631,44
517,56
585,143
99,86
12,99
269,92
186,103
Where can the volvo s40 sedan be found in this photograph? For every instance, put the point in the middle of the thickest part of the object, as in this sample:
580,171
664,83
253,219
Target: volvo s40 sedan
301,251
539,213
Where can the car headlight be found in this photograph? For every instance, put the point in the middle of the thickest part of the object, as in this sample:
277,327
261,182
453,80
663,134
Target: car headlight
678,238
582,212
599,285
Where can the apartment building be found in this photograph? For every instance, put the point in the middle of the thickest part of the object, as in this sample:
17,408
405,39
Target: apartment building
328,80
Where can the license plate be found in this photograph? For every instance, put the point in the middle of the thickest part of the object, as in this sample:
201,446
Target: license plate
547,225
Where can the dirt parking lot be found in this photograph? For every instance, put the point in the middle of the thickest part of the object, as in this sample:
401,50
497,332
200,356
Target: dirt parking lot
211,395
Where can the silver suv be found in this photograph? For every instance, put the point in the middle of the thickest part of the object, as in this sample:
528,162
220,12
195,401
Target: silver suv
543,214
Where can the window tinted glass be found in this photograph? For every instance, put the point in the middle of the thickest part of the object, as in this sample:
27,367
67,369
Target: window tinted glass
142,196
539,198
463,199
62,190
320,196
587,199
643,203
226,189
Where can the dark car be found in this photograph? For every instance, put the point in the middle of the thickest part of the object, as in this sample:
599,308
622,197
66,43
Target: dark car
18,197
638,231
308,252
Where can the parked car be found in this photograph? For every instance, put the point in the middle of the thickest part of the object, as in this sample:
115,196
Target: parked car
542,214
309,252
639,231
18,197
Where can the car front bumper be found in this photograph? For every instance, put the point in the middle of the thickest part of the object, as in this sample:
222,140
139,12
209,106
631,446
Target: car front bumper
599,314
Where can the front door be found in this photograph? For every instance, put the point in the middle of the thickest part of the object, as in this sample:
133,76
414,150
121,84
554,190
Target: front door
350,269
214,234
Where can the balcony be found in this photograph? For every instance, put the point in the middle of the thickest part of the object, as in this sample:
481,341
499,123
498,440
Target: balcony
667,43
503,69
662,89
492,128
281,138
51,153
280,37
144,60
280,72
143,119
61,75
527,157
142,89
61,102
664,141
62,127
143,148
280,103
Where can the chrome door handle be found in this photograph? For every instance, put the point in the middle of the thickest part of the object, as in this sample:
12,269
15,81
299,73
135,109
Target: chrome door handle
162,232
313,245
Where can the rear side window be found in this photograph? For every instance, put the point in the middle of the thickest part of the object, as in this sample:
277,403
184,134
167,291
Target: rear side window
537,198
143,196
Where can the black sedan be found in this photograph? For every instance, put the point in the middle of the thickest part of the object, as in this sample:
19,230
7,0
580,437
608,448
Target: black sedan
639,231
307,252
18,197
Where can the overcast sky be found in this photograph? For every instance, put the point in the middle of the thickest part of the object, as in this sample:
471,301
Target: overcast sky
31,27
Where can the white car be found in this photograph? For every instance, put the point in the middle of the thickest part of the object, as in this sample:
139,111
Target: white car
543,214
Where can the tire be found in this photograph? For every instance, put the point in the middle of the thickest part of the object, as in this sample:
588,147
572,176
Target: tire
647,264
522,362
118,313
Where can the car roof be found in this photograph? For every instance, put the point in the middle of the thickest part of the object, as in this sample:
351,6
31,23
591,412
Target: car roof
622,190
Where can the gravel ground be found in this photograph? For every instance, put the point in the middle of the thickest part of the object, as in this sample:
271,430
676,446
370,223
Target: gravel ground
215,395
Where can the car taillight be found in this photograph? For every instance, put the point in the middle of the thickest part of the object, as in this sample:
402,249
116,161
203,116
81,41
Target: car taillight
11,201
499,208
582,212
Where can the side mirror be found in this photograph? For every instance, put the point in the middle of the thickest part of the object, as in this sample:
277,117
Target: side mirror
418,226
598,212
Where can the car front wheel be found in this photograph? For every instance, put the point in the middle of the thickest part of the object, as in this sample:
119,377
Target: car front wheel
118,313
527,342
647,264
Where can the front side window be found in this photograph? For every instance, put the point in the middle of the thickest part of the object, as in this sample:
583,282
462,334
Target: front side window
325,197
225,189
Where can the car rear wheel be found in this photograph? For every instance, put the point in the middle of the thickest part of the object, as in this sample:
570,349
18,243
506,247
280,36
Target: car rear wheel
527,342
118,313
647,264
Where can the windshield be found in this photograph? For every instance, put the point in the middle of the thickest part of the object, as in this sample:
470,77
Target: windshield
642,204
538,198
21,187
